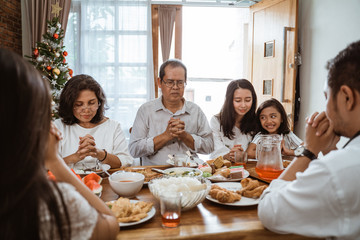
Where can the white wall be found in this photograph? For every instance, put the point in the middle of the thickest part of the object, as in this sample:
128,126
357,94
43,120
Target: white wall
325,28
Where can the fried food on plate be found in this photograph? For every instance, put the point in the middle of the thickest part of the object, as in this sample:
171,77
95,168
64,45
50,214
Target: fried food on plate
125,211
251,188
147,172
224,195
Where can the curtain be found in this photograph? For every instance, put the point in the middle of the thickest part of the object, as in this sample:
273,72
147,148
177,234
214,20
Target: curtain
111,41
166,25
38,12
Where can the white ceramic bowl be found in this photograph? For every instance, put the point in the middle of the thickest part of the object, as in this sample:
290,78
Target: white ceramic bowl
193,189
126,184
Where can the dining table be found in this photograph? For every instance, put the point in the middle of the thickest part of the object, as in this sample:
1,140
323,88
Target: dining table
208,220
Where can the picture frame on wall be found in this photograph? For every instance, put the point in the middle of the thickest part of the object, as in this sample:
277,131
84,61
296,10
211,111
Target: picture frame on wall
268,87
269,49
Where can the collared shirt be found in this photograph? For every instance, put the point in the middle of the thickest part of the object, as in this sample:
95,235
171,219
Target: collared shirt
224,144
152,119
323,201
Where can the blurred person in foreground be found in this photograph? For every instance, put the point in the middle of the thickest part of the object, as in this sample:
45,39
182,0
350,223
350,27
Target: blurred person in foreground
321,197
31,205
170,124
87,133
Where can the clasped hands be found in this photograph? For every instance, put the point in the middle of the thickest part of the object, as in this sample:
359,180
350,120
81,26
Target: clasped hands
176,128
231,155
320,135
87,147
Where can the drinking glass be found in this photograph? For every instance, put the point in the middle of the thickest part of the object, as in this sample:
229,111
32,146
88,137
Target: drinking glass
170,207
240,158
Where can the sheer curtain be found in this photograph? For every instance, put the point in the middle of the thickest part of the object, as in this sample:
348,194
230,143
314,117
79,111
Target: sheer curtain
111,41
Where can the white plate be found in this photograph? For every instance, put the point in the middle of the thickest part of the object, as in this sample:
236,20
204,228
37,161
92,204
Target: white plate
150,214
79,169
183,171
244,201
246,174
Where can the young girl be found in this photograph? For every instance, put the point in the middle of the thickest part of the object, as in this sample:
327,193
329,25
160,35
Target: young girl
234,126
272,119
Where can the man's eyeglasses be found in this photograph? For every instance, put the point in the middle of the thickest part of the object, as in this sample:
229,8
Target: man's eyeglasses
92,106
172,83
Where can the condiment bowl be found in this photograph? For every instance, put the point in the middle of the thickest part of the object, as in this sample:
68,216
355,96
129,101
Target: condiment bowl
126,184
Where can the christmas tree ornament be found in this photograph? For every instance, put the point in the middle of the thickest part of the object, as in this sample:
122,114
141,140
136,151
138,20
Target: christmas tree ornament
65,53
57,54
56,71
39,59
36,52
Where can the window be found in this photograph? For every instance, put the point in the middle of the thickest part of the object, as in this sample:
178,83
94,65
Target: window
214,44
110,41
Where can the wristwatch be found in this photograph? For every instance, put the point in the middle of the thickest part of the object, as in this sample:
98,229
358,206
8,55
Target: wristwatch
302,151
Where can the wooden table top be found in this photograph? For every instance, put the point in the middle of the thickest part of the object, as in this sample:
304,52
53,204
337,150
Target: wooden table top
208,220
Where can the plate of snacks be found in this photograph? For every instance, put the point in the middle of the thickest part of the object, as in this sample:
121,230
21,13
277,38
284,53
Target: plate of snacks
131,212
246,193
147,172
220,170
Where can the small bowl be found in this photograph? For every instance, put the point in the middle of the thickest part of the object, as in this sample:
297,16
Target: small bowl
126,184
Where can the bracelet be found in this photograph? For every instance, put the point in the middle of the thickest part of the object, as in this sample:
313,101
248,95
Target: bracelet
105,156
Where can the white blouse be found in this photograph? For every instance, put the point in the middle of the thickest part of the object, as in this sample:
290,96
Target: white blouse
83,217
222,144
108,135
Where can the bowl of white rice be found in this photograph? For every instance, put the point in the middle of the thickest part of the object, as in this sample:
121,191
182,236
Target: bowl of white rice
193,189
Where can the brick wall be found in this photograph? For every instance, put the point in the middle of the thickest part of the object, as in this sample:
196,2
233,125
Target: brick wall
10,25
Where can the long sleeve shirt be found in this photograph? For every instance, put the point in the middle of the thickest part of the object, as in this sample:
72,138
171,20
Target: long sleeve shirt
323,201
152,119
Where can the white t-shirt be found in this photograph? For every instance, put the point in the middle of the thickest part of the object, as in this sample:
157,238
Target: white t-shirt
323,201
108,135
222,144
83,217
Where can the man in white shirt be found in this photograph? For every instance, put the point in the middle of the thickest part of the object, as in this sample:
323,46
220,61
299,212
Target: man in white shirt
170,124
321,197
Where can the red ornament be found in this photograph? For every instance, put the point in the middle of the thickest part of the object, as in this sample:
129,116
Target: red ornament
36,52
64,60
48,68
56,36
65,53
70,72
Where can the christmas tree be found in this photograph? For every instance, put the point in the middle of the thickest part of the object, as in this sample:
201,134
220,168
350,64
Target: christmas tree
49,58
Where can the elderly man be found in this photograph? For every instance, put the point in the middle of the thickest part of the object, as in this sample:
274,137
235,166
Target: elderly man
170,124
321,197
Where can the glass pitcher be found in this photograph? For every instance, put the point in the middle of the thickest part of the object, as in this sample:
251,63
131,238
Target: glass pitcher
268,154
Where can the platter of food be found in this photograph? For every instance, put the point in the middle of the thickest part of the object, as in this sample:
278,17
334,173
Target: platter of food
183,172
246,193
131,212
83,169
147,172
220,178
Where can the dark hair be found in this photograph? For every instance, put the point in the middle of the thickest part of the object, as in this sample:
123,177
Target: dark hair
25,126
71,92
344,69
284,127
173,63
227,115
